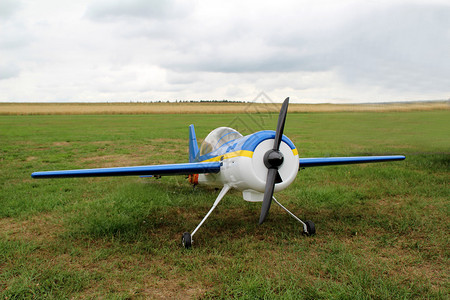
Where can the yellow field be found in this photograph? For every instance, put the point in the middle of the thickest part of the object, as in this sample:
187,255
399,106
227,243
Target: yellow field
209,108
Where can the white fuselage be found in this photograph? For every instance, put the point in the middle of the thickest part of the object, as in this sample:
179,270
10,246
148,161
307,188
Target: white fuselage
246,172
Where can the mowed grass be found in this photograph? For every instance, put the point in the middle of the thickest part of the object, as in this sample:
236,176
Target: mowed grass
382,229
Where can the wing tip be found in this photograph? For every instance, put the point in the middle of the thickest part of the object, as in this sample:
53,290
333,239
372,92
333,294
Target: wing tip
328,161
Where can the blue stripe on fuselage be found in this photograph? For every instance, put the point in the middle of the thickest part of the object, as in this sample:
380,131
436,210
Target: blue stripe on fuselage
248,142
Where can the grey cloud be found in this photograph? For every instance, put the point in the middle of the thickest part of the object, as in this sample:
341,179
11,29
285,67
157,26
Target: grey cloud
8,8
170,48
8,71
107,10
14,35
403,47
276,62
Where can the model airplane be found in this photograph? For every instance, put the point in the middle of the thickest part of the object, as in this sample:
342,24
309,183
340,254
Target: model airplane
258,164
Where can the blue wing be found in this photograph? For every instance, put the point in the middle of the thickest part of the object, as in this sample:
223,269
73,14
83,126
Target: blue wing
170,169
330,161
201,167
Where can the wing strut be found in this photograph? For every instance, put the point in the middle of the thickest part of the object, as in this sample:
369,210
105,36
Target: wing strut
186,239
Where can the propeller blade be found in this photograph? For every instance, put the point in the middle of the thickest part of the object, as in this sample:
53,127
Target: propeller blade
273,159
278,178
268,193
280,125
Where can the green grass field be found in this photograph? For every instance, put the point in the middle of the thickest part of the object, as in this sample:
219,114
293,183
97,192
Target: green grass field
382,229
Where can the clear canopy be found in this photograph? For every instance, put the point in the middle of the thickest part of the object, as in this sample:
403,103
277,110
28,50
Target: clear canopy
217,138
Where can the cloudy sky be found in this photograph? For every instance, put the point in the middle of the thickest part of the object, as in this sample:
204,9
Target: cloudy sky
150,50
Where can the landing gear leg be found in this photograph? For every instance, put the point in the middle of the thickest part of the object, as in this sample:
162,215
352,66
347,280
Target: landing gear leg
308,226
186,239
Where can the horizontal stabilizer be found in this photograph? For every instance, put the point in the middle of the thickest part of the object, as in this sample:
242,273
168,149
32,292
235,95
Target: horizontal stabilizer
331,161
170,169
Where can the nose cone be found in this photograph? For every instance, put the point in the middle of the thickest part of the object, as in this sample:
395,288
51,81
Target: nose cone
273,159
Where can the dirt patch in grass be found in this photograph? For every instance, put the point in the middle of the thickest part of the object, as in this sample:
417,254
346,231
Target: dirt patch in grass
125,269
65,143
397,259
148,154
38,228
107,161
116,269
132,274
171,141
125,160
174,288
101,142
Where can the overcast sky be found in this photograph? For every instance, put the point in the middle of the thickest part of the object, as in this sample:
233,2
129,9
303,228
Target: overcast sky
150,50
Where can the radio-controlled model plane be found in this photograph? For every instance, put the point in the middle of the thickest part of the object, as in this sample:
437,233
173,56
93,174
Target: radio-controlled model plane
258,164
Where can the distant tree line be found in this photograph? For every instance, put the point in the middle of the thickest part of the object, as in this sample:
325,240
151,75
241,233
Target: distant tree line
189,101
209,101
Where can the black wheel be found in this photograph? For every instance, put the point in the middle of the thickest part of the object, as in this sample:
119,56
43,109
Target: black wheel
311,227
186,240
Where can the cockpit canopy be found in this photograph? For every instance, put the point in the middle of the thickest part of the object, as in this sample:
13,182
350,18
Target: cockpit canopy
217,138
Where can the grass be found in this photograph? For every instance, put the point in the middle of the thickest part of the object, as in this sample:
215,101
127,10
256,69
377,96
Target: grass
382,229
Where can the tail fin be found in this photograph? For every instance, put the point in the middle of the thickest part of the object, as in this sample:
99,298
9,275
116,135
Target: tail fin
193,146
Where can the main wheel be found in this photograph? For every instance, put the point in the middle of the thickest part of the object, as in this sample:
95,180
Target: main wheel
186,240
311,227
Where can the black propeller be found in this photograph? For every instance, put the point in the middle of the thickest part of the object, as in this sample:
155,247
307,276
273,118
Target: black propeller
273,159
